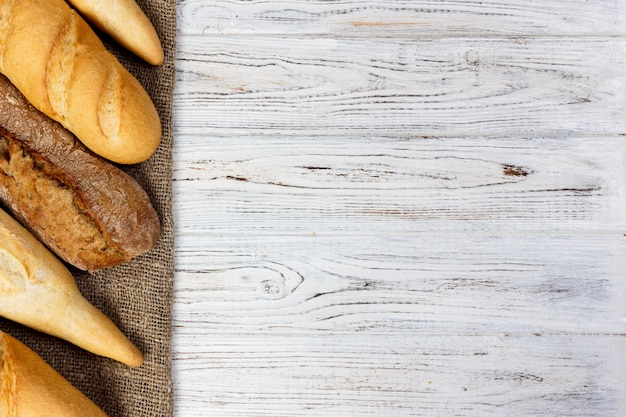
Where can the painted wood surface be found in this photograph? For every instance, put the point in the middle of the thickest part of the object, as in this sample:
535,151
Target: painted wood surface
389,185
392,17
396,208
412,86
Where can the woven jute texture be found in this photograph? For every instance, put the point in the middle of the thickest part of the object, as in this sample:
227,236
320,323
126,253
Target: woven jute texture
138,295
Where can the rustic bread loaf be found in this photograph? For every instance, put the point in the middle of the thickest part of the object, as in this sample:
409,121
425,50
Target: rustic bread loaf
62,67
30,387
38,291
125,22
86,210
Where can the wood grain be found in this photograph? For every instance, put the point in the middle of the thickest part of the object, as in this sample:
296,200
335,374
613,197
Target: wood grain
428,87
285,293
404,284
400,208
389,375
388,185
400,17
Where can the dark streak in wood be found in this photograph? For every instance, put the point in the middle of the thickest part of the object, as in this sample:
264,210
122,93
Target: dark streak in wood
514,171
231,177
314,168
520,377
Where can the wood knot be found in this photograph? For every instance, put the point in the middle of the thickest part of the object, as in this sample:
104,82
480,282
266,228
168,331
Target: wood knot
472,57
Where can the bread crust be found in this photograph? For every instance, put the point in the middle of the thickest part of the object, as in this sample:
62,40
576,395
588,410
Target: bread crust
125,22
7,380
38,291
32,388
65,71
86,210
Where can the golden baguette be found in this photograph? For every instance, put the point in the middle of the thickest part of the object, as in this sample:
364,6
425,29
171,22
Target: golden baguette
30,387
61,66
38,291
126,23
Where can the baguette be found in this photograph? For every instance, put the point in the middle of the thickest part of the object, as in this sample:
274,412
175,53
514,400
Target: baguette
30,387
38,291
86,210
61,66
126,23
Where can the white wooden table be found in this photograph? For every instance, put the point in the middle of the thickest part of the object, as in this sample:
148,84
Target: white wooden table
400,208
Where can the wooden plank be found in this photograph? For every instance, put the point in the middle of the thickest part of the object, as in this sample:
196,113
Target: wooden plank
346,86
403,284
402,17
358,374
388,185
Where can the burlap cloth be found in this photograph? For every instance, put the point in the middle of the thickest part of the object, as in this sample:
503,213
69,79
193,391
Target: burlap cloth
137,296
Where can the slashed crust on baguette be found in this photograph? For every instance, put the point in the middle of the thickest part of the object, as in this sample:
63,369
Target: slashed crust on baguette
89,212
62,67
45,193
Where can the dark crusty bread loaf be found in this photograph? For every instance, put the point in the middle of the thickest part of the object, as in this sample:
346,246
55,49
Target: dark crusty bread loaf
86,210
